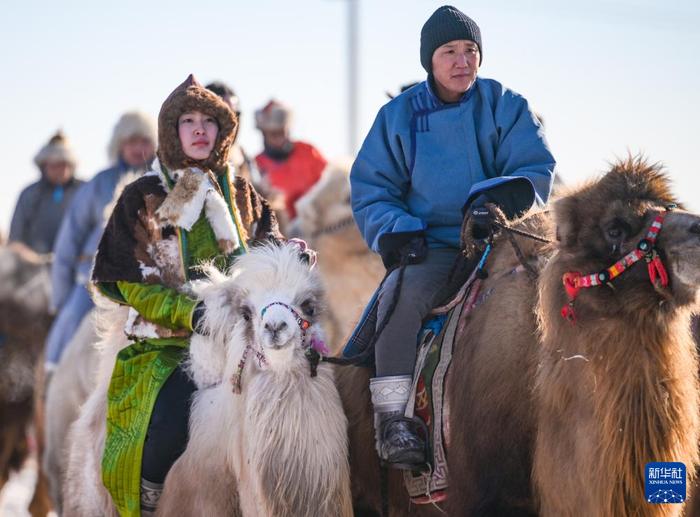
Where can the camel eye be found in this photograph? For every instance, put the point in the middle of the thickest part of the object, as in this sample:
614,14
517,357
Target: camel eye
308,307
246,313
615,232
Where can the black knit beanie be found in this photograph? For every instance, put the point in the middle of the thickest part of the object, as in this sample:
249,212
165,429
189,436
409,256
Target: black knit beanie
446,24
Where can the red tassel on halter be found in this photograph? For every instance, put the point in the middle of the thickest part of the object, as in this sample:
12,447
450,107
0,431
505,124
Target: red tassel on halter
657,271
568,313
571,284
572,287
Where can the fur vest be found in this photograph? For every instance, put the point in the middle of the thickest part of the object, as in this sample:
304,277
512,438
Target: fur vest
145,238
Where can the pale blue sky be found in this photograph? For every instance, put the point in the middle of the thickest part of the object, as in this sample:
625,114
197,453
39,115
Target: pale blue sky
607,76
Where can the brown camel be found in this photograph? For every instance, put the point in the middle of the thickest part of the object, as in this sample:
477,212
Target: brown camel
693,507
24,323
349,270
559,419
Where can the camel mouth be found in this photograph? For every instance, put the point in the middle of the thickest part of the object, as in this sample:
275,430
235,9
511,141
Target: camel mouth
685,265
280,346
283,356
276,343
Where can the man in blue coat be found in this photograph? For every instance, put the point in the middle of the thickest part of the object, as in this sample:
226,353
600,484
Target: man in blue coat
131,148
452,141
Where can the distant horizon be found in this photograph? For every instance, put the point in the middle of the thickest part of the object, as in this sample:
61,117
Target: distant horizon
609,78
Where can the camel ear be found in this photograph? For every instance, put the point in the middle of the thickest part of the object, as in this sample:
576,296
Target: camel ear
308,257
566,220
233,295
306,254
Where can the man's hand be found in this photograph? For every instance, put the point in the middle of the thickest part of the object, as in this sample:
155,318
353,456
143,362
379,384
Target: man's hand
414,251
482,218
403,248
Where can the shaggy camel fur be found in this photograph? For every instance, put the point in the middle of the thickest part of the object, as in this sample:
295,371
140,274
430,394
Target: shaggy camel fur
349,270
83,491
277,448
24,323
71,384
282,440
557,419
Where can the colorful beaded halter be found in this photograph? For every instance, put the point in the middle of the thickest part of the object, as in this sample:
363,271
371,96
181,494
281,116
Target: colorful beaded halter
646,249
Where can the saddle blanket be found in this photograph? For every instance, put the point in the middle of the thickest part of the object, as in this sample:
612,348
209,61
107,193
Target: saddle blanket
427,401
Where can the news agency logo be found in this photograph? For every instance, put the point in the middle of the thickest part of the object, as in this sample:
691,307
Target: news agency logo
664,482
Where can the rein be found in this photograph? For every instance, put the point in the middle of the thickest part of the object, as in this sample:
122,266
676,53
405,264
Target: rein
510,232
645,249
522,233
514,244
479,270
369,350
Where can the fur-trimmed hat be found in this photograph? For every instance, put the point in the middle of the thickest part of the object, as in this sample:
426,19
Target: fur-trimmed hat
57,149
274,115
129,125
192,96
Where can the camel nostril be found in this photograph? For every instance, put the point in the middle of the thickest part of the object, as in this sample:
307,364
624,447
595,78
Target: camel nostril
695,228
274,328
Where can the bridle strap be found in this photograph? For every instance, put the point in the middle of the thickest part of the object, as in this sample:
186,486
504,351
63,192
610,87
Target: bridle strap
314,347
646,249
303,323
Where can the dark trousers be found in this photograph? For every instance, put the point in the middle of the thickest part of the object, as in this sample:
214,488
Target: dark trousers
168,429
420,290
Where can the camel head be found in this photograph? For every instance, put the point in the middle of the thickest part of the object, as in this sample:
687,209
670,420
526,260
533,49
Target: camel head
605,220
282,303
270,302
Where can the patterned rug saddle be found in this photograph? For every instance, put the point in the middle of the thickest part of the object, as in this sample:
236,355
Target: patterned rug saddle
428,401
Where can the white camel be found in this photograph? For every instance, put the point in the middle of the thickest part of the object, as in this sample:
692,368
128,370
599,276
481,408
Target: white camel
71,384
279,445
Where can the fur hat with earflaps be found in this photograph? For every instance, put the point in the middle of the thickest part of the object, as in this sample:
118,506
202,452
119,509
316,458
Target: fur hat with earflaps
57,149
192,96
130,124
